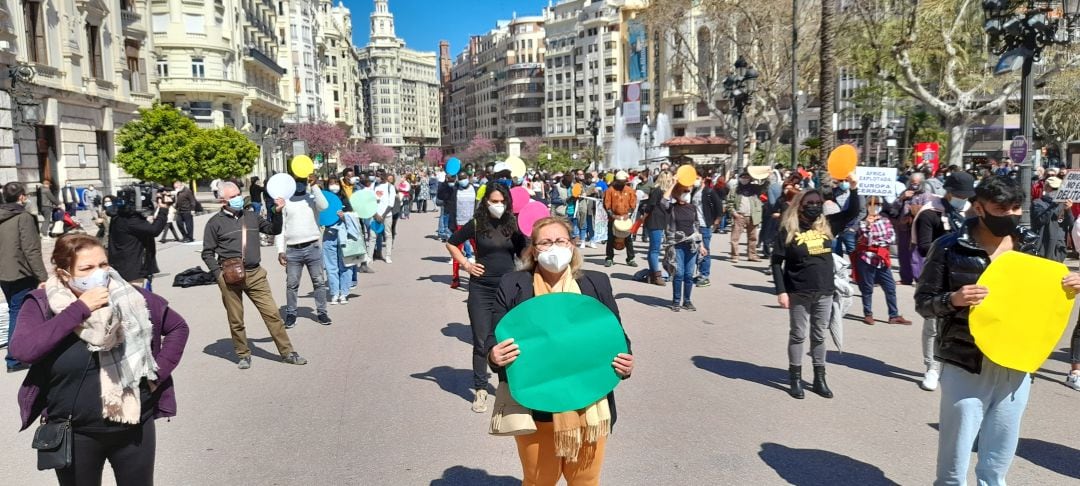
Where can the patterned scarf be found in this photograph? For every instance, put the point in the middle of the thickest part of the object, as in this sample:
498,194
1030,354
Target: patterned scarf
576,427
120,333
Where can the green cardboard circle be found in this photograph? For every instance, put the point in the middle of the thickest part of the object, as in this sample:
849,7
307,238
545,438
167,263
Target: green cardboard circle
363,203
567,343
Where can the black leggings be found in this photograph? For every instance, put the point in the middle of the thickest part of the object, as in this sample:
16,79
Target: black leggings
1074,347
481,304
130,453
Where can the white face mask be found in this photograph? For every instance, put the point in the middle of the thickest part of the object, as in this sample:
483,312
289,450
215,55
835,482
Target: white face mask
496,210
684,198
697,183
958,204
334,188
555,259
97,278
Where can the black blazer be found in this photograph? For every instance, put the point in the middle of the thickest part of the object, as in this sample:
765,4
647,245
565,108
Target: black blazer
517,287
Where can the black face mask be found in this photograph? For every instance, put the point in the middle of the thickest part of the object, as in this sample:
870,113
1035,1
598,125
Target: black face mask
1000,226
811,212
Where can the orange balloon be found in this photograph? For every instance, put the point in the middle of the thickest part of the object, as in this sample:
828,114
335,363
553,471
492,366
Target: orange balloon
686,175
576,191
842,161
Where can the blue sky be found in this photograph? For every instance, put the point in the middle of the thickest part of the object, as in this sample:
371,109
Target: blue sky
423,23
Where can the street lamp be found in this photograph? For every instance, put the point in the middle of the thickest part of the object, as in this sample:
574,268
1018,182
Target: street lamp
594,129
739,88
1019,30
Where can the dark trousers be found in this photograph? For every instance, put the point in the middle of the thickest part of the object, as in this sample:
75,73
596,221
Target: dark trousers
611,243
71,208
130,454
14,293
903,247
1074,347
186,223
171,227
869,276
481,304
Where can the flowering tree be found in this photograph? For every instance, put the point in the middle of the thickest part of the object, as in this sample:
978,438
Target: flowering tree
352,157
322,138
530,149
479,151
433,156
378,153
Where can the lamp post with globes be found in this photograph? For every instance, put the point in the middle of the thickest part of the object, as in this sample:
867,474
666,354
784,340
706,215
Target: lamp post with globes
1018,31
739,90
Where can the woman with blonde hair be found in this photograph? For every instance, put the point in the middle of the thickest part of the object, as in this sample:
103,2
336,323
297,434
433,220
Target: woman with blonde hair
802,265
656,223
559,447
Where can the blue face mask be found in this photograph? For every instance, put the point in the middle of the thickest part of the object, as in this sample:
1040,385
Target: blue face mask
463,183
237,203
505,182
844,186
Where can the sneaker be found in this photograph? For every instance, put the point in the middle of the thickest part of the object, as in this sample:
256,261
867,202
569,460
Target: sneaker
592,244
868,320
332,301
294,358
675,307
290,321
631,262
609,262
581,245
899,320
1073,380
388,260
366,269
703,282
244,363
343,299
324,319
479,403
930,380
688,306
768,270
18,367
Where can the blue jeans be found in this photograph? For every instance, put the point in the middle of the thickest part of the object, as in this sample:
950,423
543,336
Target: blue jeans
705,265
338,275
589,230
14,293
444,223
683,280
844,243
575,229
986,407
257,208
869,276
656,238
297,259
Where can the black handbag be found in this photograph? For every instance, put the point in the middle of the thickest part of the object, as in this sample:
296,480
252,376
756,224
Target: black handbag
53,438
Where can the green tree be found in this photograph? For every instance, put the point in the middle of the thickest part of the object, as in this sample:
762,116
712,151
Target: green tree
156,147
554,160
224,153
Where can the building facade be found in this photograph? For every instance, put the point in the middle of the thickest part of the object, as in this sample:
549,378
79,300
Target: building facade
83,75
400,89
341,103
302,87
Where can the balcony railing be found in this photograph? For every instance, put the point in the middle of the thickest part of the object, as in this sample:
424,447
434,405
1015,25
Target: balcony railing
267,97
257,55
131,21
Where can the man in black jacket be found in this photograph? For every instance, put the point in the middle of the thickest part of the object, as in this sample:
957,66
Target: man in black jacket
132,250
21,265
979,398
709,208
185,204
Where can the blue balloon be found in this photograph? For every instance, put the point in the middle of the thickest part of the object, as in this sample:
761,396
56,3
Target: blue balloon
453,166
328,216
376,227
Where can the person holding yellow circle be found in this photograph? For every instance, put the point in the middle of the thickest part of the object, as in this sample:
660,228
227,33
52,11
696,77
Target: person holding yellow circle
980,400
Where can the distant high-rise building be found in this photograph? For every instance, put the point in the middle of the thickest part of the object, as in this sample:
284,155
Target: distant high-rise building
301,87
400,89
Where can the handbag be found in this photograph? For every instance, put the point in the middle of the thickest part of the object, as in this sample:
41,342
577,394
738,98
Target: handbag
232,269
53,438
508,417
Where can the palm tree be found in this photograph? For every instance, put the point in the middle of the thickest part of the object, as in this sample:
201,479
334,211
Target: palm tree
811,151
827,77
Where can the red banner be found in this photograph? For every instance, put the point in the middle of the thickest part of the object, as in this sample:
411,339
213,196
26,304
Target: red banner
927,153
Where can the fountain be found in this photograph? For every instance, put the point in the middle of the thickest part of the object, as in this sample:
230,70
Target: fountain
626,151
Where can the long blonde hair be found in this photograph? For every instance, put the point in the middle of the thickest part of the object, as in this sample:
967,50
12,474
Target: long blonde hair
789,221
665,181
528,259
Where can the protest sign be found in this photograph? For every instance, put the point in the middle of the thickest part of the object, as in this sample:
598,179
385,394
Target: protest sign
876,181
1070,188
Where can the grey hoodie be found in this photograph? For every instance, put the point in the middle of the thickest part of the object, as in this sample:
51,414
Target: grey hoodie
20,246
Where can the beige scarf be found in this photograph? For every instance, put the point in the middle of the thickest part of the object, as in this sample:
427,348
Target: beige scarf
120,333
588,425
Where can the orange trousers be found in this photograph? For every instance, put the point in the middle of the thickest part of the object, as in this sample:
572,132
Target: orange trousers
542,468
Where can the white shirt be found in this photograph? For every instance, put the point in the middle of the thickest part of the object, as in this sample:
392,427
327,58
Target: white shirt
299,221
466,204
385,194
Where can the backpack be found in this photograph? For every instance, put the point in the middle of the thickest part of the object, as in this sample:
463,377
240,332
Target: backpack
192,277
555,196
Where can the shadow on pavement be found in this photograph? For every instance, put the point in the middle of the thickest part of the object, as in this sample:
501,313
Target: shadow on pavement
1055,457
645,299
301,312
437,259
451,380
813,466
1061,355
624,276
765,289
443,278
873,365
223,348
738,370
463,476
460,331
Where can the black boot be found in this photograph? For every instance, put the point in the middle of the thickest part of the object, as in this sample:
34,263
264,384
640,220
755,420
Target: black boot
795,380
820,387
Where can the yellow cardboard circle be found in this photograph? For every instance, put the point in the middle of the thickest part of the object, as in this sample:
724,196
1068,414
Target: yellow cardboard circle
302,166
686,175
842,161
517,166
758,171
609,178
576,191
1024,314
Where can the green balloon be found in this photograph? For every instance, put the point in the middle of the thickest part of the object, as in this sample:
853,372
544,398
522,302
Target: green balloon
363,203
567,343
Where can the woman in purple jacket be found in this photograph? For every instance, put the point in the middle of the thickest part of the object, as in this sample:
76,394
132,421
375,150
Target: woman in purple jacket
102,352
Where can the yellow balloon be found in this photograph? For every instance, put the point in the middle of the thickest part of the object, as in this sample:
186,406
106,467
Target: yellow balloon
842,161
302,166
1024,314
686,175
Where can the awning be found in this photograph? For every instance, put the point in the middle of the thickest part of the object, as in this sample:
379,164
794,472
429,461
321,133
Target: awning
984,148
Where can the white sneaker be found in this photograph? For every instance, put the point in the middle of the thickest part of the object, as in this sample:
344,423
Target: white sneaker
582,245
343,299
930,380
1073,380
332,301
388,260
479,403
592,244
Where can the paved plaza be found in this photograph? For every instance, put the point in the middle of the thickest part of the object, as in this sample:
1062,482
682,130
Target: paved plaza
385,398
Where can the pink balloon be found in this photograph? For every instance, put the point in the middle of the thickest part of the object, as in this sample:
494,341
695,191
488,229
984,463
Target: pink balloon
519,197
530,214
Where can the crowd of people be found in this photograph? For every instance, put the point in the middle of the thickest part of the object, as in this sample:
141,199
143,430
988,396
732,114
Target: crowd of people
819,236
